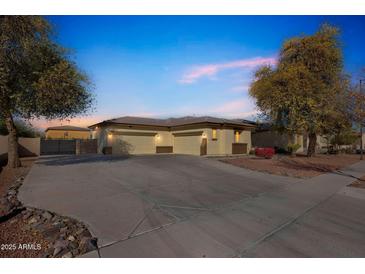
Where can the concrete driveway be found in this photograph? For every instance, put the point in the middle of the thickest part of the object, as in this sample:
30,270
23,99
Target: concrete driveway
186,206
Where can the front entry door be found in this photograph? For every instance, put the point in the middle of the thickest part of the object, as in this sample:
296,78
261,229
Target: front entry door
203,147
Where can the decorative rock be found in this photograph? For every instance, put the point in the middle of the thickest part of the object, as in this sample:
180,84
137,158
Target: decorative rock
73,246
51,233
26,215
33,220
67,255
46,215
60,243
80,231
71,238
12,221
62,233
88,244
11,192
57,251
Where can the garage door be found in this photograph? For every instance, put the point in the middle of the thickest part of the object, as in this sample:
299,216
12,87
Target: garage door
184,144
133,144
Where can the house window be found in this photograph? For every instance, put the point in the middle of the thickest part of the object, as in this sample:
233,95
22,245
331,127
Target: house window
214,134
237,136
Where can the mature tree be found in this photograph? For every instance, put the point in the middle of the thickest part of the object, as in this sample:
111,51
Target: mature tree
304,92
356,106
37,77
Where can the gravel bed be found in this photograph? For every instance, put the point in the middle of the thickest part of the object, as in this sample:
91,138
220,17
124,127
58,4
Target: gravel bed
31,232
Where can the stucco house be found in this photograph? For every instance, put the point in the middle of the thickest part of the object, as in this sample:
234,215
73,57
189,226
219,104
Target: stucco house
186,135
265,136
68,132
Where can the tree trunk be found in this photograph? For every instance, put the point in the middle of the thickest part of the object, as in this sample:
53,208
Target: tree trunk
13,156
312,144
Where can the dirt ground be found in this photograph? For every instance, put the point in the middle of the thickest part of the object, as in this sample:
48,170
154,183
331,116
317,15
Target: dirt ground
17,239
299,166
359,183
8,176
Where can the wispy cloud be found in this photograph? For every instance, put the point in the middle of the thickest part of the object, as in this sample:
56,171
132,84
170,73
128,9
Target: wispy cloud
210,70
231,107
237,108
240,108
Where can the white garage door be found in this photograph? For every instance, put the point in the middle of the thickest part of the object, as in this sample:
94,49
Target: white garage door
187,145
133,144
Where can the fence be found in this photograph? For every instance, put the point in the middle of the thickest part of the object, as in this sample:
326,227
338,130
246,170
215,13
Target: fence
61,146
27,147
51,147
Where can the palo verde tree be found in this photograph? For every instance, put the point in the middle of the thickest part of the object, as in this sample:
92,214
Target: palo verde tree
303,93
37,77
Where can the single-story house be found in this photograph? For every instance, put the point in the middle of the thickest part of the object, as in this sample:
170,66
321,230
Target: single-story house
186,135
68,132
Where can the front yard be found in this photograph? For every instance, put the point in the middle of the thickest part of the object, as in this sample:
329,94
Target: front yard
31,232
299,166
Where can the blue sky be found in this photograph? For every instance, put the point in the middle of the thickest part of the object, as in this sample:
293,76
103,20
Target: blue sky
163,66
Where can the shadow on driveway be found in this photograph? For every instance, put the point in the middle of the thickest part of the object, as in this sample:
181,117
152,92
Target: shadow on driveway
62,160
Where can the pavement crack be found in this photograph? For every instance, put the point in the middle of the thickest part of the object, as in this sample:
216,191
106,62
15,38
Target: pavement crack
137,235
140,222
186,207
279,228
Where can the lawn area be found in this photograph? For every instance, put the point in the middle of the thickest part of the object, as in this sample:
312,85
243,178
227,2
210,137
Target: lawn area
299,166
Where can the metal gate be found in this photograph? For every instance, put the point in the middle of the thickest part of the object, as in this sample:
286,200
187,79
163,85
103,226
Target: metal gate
49,147
88,146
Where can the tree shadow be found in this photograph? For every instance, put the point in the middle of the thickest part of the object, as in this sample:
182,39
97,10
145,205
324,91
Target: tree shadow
323,168
62,160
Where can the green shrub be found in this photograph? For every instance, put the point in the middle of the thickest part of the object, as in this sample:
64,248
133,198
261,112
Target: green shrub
293,148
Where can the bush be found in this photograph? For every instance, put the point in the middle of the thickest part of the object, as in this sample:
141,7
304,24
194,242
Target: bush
280,150
293,148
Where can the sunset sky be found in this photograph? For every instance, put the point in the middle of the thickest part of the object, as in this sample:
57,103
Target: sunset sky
169,66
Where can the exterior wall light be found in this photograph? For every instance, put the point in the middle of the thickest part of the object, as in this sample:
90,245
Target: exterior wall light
204,135
158,136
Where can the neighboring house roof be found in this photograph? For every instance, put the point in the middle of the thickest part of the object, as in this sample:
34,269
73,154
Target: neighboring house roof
68,128
172,122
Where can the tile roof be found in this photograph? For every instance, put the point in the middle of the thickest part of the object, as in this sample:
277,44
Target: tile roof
169,122
68,128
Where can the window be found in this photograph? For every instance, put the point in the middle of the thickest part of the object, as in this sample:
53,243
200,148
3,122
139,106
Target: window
214,134
65,135
237,136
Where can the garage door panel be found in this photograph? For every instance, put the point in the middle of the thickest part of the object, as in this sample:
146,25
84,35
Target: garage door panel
187,144
134,145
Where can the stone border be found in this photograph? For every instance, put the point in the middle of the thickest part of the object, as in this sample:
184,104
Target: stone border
67,237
